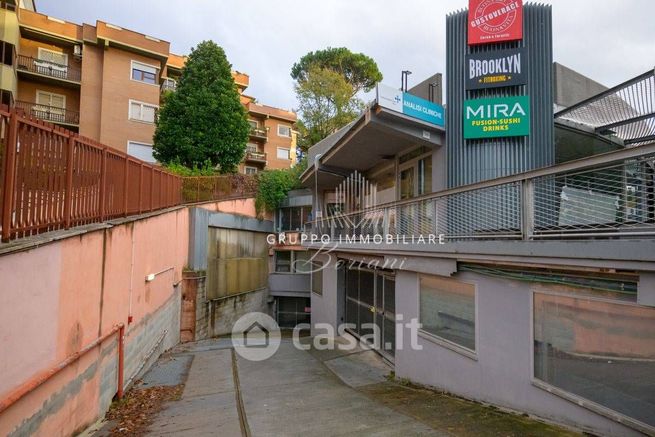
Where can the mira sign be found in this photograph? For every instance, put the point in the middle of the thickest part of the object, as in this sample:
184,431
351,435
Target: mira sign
410,105
497,117
495,69
491,21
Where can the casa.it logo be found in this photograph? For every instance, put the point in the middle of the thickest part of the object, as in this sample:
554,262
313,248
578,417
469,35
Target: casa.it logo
495,20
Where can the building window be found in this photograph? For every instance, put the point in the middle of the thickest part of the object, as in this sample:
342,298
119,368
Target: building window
144,73
283,131
251,148
253,124
317,277
53,57
55,103
283,153
447,310
600,350
6,97
140,111
293,218
292,261
283,261
8,53
141,151
250,170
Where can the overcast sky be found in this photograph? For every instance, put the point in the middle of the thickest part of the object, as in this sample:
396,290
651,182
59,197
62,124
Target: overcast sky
607,40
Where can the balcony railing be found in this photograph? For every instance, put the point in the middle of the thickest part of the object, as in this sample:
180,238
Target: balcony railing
49,69
607,195
168,85
260,133
256,156
50,113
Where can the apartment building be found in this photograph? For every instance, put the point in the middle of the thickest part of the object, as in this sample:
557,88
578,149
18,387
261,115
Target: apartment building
106,83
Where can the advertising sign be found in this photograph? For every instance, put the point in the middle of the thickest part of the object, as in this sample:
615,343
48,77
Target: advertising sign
497,117
495,69
410,105
491,21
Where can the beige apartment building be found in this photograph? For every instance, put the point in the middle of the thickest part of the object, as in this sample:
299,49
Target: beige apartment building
106,82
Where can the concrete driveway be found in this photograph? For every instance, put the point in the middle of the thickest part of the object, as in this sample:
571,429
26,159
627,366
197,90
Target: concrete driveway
327,393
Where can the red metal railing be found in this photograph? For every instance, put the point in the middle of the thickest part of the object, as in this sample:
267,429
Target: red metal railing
51,178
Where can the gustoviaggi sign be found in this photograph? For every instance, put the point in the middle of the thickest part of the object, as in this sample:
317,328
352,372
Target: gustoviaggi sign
497,117
491,21
495,69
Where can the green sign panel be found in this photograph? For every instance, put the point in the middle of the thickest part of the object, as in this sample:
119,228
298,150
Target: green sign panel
497,117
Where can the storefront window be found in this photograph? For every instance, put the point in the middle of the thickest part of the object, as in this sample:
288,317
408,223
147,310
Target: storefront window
447,310
293,218
598,350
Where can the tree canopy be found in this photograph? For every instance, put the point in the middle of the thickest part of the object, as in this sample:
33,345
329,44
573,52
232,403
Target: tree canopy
203,120
327,84
359,70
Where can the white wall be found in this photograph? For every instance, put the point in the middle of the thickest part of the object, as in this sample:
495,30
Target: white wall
501,374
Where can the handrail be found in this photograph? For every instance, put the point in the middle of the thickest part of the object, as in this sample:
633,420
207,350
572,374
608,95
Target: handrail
37,381
609,194
577,164
49,68
52,114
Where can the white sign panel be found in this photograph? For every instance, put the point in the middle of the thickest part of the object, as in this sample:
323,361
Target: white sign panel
390,97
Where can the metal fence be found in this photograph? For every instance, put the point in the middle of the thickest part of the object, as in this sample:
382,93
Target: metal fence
606,195
51,179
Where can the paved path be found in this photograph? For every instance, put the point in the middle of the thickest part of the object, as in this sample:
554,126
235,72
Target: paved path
290,394
320,392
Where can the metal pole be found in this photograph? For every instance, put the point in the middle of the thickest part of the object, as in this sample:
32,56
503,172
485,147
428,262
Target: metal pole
68,206
10,176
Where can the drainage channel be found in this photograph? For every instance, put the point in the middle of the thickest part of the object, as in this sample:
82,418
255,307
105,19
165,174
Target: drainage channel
243,420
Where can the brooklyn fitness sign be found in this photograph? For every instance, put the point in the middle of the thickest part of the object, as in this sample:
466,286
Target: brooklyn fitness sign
495,69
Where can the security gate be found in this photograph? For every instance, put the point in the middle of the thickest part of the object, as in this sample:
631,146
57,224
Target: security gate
370,307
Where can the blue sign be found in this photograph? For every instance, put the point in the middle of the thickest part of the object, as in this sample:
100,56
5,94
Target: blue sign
423,109
410,105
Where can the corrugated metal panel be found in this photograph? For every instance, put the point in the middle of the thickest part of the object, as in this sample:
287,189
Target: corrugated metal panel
471,161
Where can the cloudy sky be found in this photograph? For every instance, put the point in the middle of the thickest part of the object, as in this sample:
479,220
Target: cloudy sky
608,40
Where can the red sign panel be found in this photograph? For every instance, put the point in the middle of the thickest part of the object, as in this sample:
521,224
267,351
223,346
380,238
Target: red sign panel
493,21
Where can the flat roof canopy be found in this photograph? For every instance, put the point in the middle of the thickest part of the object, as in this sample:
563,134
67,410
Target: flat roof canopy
626,111
378,135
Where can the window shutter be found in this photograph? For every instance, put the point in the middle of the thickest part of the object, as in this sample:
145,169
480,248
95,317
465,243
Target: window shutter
148,113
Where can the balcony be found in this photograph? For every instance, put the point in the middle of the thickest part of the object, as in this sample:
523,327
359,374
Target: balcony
608,196
259,133
50,113
168,85
48,70
259,157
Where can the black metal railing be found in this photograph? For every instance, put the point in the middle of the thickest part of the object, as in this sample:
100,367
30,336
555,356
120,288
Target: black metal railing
49,69
256,156
52,114
258,132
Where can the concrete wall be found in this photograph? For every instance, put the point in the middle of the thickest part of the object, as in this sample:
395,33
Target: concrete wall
61,296
326,307
501,372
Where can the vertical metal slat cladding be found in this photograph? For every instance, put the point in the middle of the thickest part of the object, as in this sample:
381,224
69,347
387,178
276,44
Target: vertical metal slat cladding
471,161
